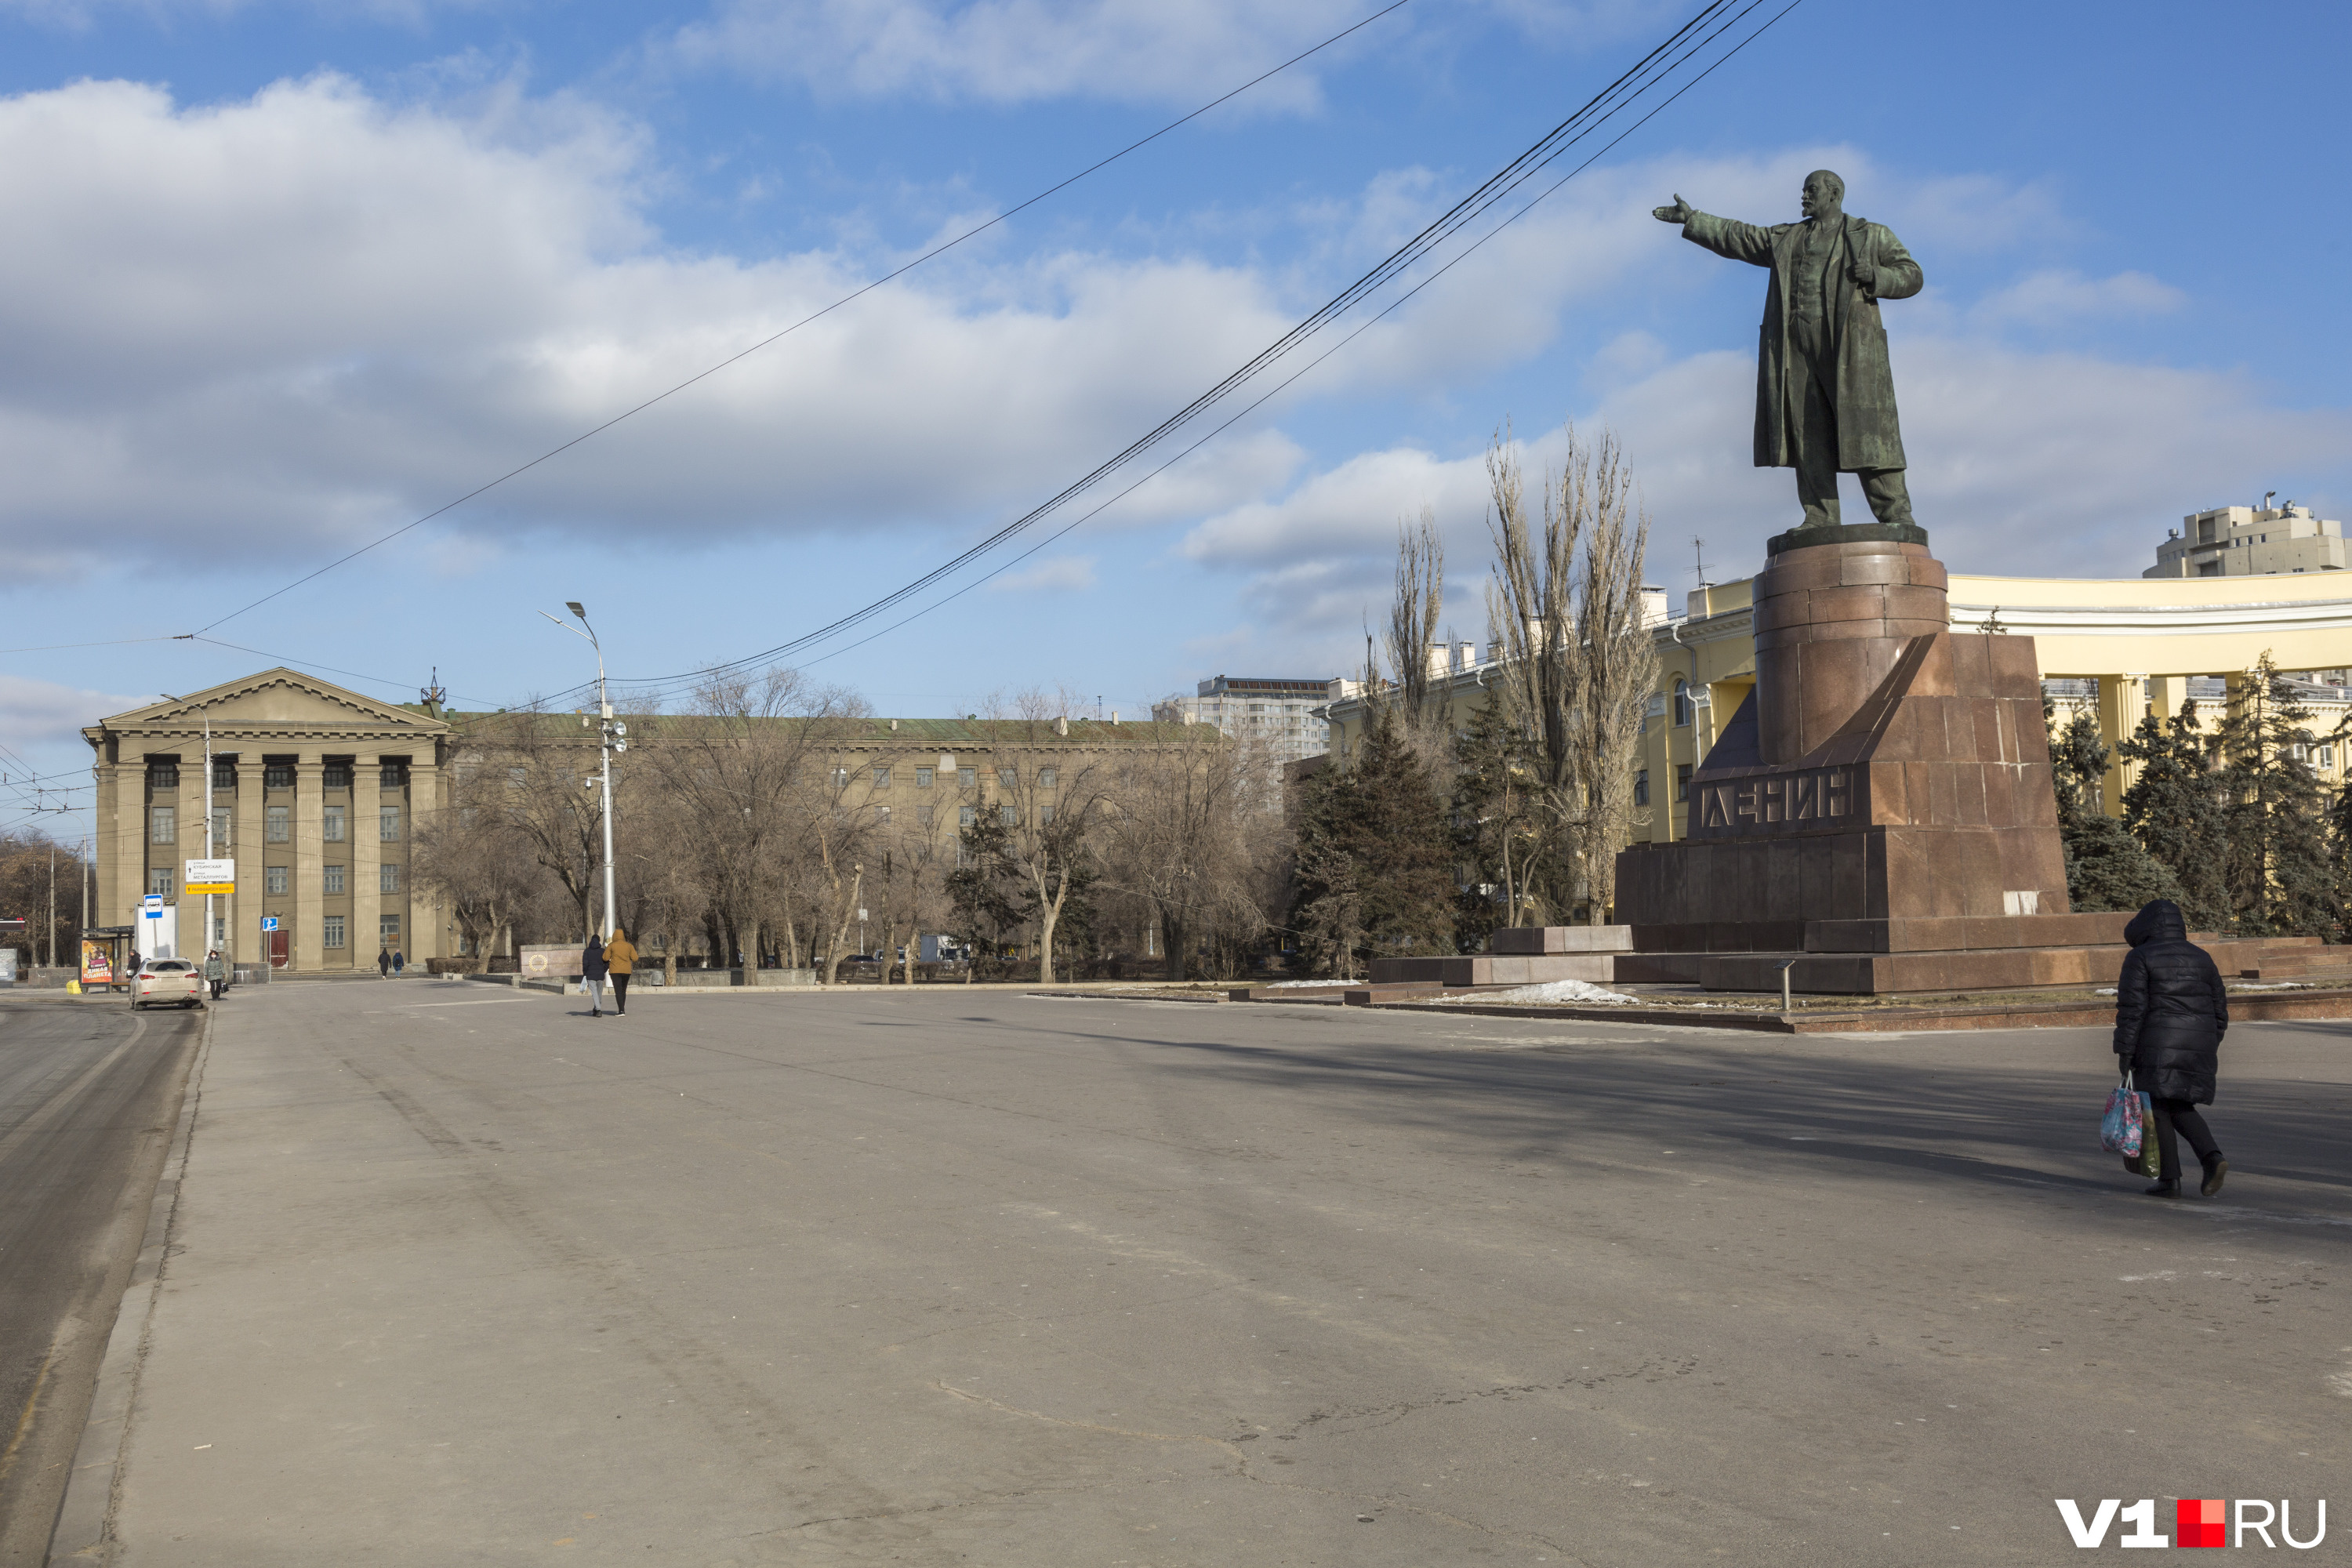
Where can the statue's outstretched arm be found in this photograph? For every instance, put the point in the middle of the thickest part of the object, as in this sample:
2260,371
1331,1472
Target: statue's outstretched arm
1727,237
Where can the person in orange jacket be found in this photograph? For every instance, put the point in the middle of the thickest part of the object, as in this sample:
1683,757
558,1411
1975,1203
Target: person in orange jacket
621,958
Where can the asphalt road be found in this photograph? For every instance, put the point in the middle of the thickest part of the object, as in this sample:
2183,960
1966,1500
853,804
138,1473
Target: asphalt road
464,1276
88,1096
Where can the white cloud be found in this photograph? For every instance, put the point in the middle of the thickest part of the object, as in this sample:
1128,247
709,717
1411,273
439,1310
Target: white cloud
2058,297
295,322
1016,51
1010,51
1054,574
44,715
2022,464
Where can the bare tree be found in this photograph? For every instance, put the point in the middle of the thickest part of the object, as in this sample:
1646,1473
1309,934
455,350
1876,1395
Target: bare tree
1193,838
476,853
1578,664
1412,639
743,771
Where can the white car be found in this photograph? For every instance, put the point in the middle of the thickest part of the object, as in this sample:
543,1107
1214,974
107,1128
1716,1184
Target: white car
168,980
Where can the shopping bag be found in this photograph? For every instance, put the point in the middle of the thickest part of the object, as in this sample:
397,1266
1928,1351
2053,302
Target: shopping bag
2152,1149
2124,1129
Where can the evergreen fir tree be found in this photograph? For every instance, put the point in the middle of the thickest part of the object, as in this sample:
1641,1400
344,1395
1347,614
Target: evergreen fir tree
2280,875
1492,830
2107,869
1375,872
2175,809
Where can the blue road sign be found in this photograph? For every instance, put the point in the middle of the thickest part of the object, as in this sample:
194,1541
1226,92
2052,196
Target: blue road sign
270,922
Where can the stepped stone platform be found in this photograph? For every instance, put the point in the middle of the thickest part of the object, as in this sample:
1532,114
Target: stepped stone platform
1520,955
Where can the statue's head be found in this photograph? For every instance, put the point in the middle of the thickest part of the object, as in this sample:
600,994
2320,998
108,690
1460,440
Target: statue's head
1824,192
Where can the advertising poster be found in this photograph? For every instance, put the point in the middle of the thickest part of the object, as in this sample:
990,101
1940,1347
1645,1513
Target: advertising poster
97,964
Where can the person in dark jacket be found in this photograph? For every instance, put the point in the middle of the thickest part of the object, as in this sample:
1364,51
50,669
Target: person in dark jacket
2171,1015
593,969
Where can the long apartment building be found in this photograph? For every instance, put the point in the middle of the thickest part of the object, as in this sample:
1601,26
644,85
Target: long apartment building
317,793
1282,711
2251,542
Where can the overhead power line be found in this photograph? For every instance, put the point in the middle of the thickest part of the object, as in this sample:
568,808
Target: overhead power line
1680,48
900,271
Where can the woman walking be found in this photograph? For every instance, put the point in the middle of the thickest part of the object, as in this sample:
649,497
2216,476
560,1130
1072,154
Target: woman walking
591,974
2171,1015
621,958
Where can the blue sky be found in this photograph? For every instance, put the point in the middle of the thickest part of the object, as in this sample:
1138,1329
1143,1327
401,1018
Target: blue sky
275,278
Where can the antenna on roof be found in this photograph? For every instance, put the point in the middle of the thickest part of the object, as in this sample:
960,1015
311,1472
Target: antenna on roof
1698,549
432,695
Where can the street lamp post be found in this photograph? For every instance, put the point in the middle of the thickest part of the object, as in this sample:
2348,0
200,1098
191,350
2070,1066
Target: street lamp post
610,738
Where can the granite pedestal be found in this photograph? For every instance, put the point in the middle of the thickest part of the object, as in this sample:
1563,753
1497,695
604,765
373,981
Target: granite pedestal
1879,809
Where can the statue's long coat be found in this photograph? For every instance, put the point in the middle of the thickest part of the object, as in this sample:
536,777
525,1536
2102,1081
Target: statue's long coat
1869,436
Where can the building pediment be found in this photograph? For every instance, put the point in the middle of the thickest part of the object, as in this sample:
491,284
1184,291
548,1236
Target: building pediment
276,701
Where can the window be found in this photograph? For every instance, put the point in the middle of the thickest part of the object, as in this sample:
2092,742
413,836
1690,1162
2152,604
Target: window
335,775
387,877
1009,815
464,816
387,930
966,816
1048,778
330,881
388,824
1045,816
967,777
162,825
392,772
1641,786
1682,780
923,816
333,934
841,778
163,775
330,824
881,817
2327,756
159,880
1681,703
277,774
273,880
275,823
514,777
881,778
224,772
923,777
1008,778
220,830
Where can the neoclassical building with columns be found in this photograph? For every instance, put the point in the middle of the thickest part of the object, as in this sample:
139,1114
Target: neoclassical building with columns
315,793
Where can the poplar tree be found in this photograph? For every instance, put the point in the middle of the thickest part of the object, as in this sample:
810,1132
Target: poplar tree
2107,869
2175,809
1493,832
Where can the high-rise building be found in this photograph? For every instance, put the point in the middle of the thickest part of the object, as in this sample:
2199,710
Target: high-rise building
1279,712
2251,542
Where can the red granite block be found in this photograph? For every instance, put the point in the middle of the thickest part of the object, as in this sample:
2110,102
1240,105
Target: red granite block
1927,572
1916,604
1971,664
1888,792
1864,603
1934,676
2015,669
1943,796
1968,791
2000,794
1857,569
1814,566
1985,743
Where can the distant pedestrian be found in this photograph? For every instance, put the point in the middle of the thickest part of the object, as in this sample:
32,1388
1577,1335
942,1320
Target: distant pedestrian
399,962
593,969
621,958
2170,1014
383,963
215,974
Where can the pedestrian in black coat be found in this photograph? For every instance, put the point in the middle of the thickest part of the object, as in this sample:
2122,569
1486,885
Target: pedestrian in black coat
2171,1015
593,969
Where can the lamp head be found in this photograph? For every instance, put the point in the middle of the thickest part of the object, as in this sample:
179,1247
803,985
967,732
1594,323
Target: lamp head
573,605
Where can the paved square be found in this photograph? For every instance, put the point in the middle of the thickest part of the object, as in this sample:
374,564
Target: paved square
461,1275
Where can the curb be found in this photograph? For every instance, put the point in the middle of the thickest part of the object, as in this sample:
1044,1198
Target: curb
84,1530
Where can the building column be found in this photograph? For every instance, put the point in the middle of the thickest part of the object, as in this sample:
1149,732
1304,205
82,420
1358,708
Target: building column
367,857
2166,693
427,939
195,938
308,955
2121,701
245,935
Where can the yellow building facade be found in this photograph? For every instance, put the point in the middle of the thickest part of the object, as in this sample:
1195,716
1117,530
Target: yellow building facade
2122,647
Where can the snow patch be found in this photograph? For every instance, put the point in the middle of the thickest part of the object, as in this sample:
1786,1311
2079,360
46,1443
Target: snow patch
1551,991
